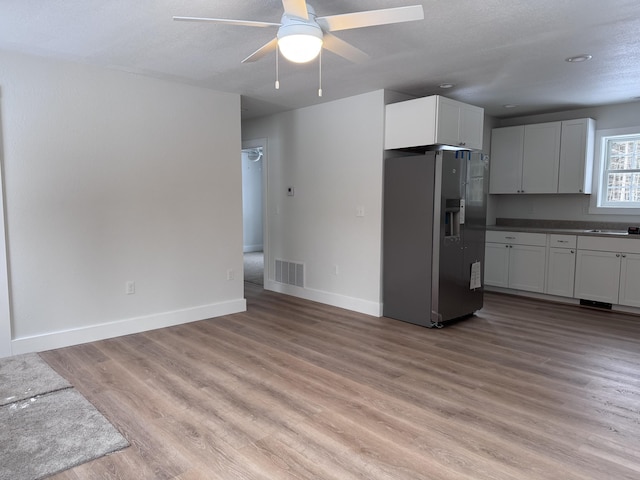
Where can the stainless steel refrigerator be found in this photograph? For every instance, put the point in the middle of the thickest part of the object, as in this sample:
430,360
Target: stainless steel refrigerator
433,236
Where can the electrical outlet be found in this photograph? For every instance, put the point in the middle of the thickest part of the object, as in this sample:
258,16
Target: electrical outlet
130,287
230,274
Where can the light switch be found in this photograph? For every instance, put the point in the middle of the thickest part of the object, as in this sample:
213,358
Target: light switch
359,211
290,191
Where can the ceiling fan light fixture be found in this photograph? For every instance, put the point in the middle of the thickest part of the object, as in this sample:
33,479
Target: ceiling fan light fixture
300,43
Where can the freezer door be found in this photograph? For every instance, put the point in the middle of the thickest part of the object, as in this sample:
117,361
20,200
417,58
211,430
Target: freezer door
408,238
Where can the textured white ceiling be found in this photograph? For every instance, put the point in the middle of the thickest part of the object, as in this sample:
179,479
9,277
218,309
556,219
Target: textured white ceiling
496,52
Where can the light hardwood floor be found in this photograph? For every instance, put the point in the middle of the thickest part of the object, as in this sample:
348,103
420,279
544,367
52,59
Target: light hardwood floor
295,389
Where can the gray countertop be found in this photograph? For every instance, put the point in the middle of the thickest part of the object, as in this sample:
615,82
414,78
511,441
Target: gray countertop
598,229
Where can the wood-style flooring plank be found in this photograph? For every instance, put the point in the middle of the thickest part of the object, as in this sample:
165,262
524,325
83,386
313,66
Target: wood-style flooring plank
293,389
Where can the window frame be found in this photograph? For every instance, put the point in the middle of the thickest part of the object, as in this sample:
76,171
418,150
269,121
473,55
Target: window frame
597,203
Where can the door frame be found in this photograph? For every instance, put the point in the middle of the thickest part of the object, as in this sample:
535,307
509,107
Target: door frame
255,143
5,304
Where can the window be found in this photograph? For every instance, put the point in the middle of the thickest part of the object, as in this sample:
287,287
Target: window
621,178
618,159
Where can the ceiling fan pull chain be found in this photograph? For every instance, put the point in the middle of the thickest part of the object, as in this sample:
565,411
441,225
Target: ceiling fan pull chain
320,74
277,73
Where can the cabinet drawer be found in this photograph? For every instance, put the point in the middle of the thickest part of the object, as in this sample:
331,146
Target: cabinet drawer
604,244
562,241
517,238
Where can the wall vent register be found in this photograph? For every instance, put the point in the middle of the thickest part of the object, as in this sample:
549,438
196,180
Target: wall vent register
290,273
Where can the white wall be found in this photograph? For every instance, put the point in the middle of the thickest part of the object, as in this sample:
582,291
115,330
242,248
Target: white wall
111,177
565,207
332,154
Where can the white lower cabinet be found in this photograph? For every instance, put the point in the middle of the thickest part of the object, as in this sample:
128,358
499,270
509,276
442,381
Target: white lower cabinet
515,260
526,267
496,265
630,280
561,268
597,276
595,268
608,270
561,265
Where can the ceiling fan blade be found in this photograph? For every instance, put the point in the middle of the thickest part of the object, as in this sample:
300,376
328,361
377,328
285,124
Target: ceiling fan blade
228,21
296,8
371,18
342,48
262,51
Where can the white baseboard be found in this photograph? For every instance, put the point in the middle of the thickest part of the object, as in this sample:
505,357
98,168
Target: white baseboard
92,333
328,298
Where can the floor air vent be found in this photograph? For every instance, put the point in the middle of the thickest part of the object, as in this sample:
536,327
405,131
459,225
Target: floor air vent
290,273
594,304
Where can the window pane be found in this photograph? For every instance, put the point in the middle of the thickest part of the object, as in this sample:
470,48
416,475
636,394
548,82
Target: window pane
623,187
624,154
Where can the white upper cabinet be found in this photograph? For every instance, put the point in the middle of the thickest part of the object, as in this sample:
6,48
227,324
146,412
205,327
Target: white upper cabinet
524,159
576,156
540,158
505,175
459,124
552,157
433,120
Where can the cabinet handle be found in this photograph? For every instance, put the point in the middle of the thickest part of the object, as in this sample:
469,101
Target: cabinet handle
572,251
618,255
624,256
563,241
510,238
462,144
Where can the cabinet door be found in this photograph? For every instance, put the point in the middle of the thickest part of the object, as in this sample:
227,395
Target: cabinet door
597,276
561,267
505,175
541,158
526,268
630,280
576,156
496,265
448,130
471,126
410,123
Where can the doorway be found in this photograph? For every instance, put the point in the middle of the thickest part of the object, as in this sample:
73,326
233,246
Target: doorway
253,194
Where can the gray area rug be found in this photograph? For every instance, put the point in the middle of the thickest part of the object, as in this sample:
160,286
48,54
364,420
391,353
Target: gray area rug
25,376
254,267
50,432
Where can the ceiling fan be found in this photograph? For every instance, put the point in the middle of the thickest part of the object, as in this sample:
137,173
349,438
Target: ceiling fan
302,35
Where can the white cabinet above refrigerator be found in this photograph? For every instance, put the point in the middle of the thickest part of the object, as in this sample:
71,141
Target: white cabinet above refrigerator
433,120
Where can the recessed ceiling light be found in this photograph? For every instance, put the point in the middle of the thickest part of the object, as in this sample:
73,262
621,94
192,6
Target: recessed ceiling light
510,105
578,58
447,85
